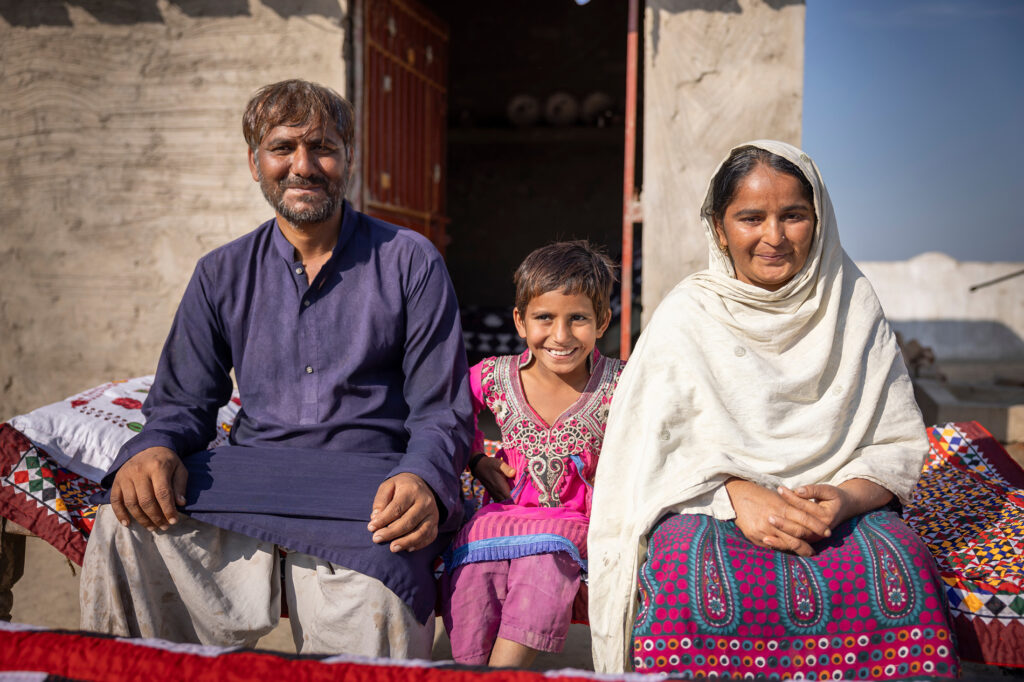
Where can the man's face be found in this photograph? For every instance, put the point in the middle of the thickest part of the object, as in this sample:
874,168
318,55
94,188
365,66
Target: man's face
303,172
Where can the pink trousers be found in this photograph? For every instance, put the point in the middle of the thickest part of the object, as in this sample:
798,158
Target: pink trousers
526,600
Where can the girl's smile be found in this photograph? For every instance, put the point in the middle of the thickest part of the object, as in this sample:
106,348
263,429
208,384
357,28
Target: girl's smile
560,331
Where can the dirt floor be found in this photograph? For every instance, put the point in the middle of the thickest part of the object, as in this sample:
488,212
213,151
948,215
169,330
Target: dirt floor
48,595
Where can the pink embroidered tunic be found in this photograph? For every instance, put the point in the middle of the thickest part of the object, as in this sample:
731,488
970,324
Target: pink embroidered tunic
549,509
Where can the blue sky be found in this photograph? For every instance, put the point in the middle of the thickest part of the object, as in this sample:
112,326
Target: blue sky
914,112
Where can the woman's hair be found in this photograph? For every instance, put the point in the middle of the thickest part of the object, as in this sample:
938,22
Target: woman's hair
297,103
574,267
739,164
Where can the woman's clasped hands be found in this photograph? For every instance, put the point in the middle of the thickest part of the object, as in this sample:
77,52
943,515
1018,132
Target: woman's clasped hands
784,519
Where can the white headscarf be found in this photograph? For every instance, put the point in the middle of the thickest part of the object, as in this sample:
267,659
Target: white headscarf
796,386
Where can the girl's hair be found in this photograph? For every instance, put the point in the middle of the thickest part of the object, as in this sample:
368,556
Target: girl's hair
574,267
739,164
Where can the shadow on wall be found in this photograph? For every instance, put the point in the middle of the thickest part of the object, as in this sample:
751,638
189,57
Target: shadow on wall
126,12
959,340
677,6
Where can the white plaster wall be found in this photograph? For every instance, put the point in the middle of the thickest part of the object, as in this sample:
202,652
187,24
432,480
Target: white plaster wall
928,298
121,162
717,73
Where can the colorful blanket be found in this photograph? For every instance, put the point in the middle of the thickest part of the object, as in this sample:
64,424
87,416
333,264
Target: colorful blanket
74,655
43,497
969,509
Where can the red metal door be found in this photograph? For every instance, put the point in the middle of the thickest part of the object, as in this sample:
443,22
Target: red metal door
405,72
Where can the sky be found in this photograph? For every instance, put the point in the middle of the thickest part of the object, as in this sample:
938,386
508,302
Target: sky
914,112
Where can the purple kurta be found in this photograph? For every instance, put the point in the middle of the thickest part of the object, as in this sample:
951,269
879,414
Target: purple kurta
348,381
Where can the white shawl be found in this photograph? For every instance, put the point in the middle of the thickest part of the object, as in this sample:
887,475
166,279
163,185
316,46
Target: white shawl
800,385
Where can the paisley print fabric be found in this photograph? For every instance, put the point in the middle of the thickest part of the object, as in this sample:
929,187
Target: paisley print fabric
868,605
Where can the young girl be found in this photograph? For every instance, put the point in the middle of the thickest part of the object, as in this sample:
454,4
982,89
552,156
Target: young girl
514,569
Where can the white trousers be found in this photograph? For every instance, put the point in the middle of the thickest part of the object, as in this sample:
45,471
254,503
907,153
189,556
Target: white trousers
198,583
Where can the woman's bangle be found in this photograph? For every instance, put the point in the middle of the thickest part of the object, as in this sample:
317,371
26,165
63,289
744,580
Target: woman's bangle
474,459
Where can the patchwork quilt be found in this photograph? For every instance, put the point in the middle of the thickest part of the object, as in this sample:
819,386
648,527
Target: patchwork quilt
969,509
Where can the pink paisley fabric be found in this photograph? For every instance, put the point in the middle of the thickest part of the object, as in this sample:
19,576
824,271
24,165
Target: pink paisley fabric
868,605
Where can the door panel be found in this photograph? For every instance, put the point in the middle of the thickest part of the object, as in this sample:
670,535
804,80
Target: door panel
405,115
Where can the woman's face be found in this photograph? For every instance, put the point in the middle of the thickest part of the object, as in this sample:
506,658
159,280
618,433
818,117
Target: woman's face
767,228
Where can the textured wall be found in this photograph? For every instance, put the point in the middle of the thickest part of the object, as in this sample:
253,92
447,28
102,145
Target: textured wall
121,162
717,73
929,298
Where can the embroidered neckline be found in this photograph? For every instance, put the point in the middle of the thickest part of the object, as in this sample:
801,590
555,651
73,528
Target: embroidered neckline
597,366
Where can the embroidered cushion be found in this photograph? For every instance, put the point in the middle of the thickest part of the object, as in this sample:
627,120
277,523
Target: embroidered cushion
84,432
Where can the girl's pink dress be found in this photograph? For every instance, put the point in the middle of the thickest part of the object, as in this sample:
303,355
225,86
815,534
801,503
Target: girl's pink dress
551,496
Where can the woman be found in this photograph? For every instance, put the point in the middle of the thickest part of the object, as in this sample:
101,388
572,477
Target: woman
759,440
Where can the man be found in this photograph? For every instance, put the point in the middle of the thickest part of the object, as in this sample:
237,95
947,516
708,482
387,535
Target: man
344,337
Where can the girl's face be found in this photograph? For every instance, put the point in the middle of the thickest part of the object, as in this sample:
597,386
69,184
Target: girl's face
560,331
767,228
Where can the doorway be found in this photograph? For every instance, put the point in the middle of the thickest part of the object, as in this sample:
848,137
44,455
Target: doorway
532,144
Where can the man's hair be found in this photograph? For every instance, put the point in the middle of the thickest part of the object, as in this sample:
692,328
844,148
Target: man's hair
574,267
297,103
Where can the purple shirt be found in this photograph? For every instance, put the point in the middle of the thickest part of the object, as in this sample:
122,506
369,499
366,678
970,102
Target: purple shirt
348,381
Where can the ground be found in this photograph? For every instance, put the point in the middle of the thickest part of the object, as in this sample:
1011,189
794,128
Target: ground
48,595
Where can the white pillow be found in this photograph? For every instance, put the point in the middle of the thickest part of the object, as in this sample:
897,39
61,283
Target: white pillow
83,433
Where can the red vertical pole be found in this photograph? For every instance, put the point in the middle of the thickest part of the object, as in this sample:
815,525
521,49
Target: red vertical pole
629,170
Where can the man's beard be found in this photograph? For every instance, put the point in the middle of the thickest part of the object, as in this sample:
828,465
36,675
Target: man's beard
303,213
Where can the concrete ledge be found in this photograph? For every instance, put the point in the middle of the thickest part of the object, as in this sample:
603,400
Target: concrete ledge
999,408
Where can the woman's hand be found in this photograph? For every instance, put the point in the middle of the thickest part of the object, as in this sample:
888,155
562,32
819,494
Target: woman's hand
495,474
834,504
768,520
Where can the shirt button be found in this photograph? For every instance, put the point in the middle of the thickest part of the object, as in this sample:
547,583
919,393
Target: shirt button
298,270
306,303
740,351
309,369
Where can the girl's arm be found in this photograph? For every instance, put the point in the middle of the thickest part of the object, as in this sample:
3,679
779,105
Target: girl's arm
491,471
494,473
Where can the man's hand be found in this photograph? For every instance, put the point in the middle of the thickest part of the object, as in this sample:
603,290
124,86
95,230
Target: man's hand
404,513
148,487
767,519
494,473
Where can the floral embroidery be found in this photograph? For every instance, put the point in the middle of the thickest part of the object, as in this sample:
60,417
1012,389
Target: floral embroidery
547,449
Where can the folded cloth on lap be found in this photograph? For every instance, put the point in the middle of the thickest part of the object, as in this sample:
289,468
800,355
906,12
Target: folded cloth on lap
283,482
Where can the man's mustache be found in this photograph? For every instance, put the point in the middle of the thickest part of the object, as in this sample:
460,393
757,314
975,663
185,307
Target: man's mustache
316,181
